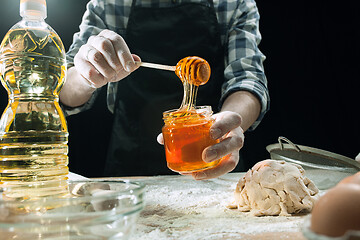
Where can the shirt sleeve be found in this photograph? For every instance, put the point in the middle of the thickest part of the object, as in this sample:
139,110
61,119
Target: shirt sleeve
244,64
92,24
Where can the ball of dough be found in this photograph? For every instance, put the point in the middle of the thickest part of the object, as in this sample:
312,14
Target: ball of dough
273,188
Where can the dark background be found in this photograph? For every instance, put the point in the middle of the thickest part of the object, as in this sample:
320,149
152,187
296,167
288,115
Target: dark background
312,67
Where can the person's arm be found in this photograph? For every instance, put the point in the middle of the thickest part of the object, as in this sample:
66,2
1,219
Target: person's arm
239,111
104,58
245,104
76,90
245,98
97,56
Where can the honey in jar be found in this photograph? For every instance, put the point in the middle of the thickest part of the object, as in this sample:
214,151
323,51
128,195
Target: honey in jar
186,135
187,130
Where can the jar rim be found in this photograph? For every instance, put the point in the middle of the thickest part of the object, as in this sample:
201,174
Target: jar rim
199,109
206,111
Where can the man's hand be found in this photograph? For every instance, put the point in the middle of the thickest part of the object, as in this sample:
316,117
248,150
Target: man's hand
226,128
105,58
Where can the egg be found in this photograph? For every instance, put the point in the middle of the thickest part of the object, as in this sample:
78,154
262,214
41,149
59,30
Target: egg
338,210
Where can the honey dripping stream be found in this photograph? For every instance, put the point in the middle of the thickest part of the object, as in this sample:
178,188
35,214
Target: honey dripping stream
193,72
186,130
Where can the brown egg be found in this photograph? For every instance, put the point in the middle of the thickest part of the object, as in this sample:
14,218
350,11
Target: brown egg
337,211
351,179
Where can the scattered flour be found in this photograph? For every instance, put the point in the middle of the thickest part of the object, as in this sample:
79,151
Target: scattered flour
178,207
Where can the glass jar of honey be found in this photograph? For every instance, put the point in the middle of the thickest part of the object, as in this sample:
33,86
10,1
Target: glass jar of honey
186,134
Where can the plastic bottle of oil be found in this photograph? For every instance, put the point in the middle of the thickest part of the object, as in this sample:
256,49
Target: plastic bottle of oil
33,130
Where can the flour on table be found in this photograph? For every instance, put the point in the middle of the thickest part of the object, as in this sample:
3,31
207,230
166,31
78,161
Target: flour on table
178,207
273,188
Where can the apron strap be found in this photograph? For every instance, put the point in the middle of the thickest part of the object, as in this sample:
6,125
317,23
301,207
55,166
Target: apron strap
133,5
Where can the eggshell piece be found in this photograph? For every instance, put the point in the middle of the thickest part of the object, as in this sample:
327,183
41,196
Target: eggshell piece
337,211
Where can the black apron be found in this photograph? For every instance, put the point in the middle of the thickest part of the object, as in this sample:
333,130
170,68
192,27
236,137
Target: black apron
165,36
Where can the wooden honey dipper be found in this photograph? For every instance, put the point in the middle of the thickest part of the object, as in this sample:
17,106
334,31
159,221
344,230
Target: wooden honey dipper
194,70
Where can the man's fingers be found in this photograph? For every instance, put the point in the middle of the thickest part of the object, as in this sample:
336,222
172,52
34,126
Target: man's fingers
233,141
105,58
97,59
106,48
87,70
226,165
121,49
225,122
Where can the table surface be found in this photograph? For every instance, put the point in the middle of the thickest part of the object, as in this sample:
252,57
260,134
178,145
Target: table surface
178,207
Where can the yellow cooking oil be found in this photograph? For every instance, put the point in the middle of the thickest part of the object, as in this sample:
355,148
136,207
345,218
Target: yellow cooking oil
33,130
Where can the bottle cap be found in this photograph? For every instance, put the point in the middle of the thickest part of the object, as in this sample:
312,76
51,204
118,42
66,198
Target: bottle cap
33,8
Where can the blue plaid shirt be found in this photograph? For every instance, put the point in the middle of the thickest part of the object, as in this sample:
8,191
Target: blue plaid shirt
239,28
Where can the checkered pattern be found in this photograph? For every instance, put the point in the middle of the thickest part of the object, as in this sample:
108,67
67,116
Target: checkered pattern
239,28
